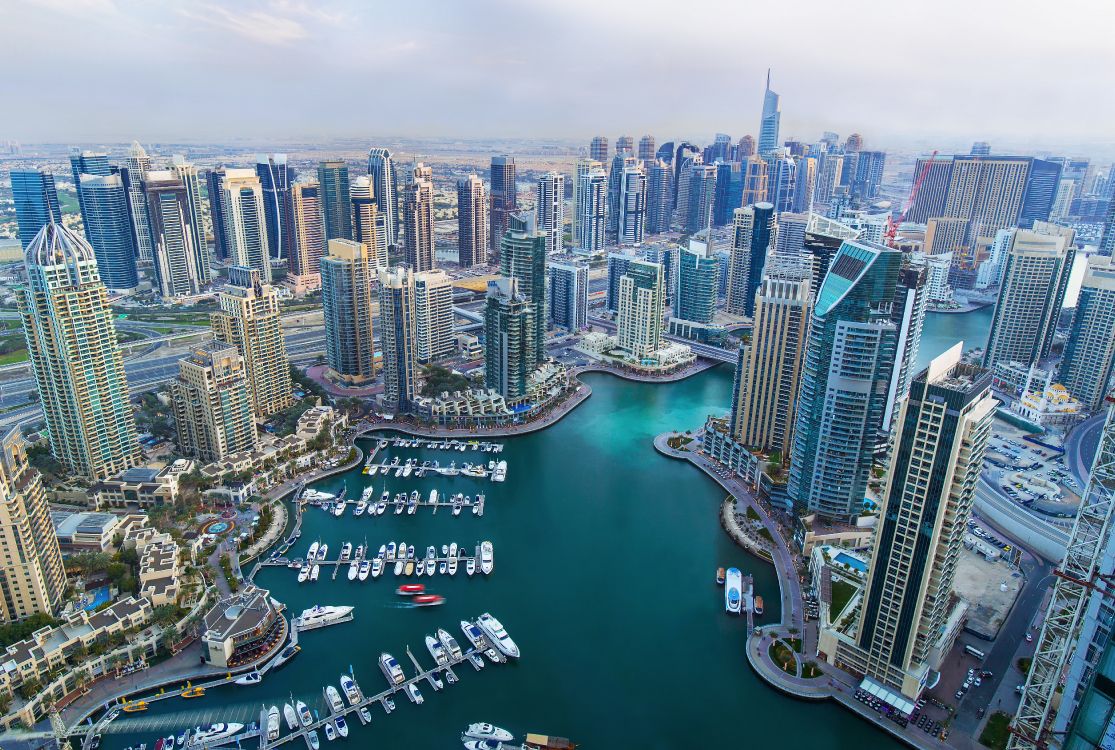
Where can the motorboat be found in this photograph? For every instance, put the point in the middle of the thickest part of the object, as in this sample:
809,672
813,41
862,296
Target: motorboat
495,631
400,504
339,509
312,738
377,567
365,715
456,506
412,505
291,716
483,745
474,634
453,559
360,508
330,731
193,692
312,553
733,584
451,471
470,470
303,573
758,605
720,576
352,692
382,551
420,569
315,571
500,472
322,551
476,509
304,714
388,552
410,589
433,645
391,669
444,550
334,699
494,656
388,704
252,678
431,552
180,742
470,565
346,551
486,731
442,567
381,507
428,600
318,615
433,497
353,570
486,560
366,568
273,723
476,659
414,694
215,734
409,569
342,726
399,563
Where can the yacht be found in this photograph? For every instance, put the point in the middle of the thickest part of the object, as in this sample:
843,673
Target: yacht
382,550
409,569
473,471
442,567
433,497
322,551
353,570
474,634
445,550
431,552
330,731
366,568
273,723
215,734
457,506
733,584
453,559
318,616
412,505
252,678
315,743
366,495
304,714
315,571
388,551
342,726
483,744
388,704
352,692
449,642
365,715
312,553
437,650
496,633
291,717
376,569
470,565
500,472
346,551
476,509
420,568
334,699
360,508
414,694
400,563
391,669
303,573
487,732
452,471
399,504
476,659
339,509
486,561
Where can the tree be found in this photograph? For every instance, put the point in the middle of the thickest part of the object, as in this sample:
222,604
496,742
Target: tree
440,379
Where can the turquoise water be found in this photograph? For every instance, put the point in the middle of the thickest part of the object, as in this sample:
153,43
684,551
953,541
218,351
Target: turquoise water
943,330
859,565
605,562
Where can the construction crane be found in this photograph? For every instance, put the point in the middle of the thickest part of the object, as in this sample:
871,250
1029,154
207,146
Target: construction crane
889,236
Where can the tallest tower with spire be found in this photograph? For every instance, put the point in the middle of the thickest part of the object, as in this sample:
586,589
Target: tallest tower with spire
768,125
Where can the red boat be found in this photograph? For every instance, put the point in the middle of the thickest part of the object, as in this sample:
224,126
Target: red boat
428,600
410,589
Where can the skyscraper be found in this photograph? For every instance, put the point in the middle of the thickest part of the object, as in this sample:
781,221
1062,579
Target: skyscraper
74,355
618,264
549,207
32,575
845,381
568,300
418,220
625,144
472,222
504,196
36,202
700,198
1041,190
136,167
1089,356
755,181
108,228
398,334
908,314
751,237
1035,275
510,348
348,275
275,179
988,192
768,125
943,429
934,191
805,184
433,311
369,226
598,149
698,281
641,305
213,403
381,171
175,228
660,199
869,174
250,320
620,162
87,162
781,180
632,205
646,148
766,384
523,257
309,231
745,148
332,179
214,189
729,191
1107,239
245,221
590,206
830,168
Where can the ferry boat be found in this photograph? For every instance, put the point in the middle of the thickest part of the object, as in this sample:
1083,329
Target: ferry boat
449,642
486,560
487,732
215,734
720,576
410,589
391,669
758,605
194,692
428,600
304,714
365,569
377,568
352,692
291,717
252,678
334,699
319,616
433,645
732,586
474,634
495,631
273,723
346,551
500,472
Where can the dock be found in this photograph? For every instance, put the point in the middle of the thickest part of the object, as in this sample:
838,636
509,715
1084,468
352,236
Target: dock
388,565
474,508
444,445
392,470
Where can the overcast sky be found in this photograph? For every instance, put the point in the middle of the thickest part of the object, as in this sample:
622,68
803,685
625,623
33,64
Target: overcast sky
1023,72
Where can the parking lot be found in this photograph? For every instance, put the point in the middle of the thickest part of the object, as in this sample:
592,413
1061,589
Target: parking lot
1033,476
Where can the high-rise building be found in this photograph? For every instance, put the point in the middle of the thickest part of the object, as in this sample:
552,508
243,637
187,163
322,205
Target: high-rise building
549,208
700,197
245,222
510,348
568,301
87,162
641,305
212,403
214,190
176,231
32,575
853,143
934,191
766,384
768,125
684,158
418,220
472,222
782,178
907,623
523,257
789,233
618,264
36,202
136,166
646,148
504,197
309,230
698,283
590,206
433,310
625,144
74,355
1035,275
981,148
729,191
632,205
988,192
751,237
385,190
250,320
108,227
660,199
830,169
1107,238
805,184
598,149
348,275
1089,356
398,334
620,162
369,226
745,149
1062,201
1041,190
869,174
275,179
755,181
945,235
908,314
668,255
332,179
845,381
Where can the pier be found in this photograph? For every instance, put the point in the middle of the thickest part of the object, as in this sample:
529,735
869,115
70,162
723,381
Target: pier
475,507
388,564
395,471
444,445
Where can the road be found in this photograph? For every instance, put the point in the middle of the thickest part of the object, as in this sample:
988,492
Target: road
1081,446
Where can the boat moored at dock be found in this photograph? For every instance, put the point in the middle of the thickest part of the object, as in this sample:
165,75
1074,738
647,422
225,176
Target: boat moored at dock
319,616
391,669
733,584
497,634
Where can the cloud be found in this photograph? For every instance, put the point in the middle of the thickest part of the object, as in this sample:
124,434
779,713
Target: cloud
266,26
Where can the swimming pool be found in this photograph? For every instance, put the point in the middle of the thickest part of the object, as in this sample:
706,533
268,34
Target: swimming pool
95,598
851,562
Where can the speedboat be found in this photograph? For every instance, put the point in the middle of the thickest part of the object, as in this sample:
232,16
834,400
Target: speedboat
436,650
315,572
399,504
315,743
456,506
470,565
414,694
720,576
483,745
360,508
365,715
486,560
389,552
215,734
303,573
252,678
377,567
339,509
410,589
312,553
453,559
412,506
366,568
322,551
330,731
346,551
476,659
342,726
732,586
304,714
474,634
495,631
334,699
272,723
420,569
193,692
388,704
428,600
487,732
391,669
291,716
381,506
352,692
353,570
442,567
450,643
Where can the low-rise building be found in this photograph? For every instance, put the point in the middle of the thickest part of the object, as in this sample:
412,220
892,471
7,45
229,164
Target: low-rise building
241,628
142,486
85,531
813,531
488,407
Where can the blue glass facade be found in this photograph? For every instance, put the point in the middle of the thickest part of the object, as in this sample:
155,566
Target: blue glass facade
36,202
108,228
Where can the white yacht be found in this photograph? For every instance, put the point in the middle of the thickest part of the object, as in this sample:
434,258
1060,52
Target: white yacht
414,694
291,716
391,669
252,678
315,743
493,628
365,715
322,551
330,731
273,723
474,634
486,560
420,568
433,497
500,472
376,570
365,569
453,559
437,650
352,693
483,744
315,571
318,616
442,567
339,508
215,734
334,699
470,566
342,726
360,508
353,570
304,714
487,732
449,642
346,551
303,573
312,553
389,551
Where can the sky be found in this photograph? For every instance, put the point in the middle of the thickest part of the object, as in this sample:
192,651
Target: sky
1033,74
